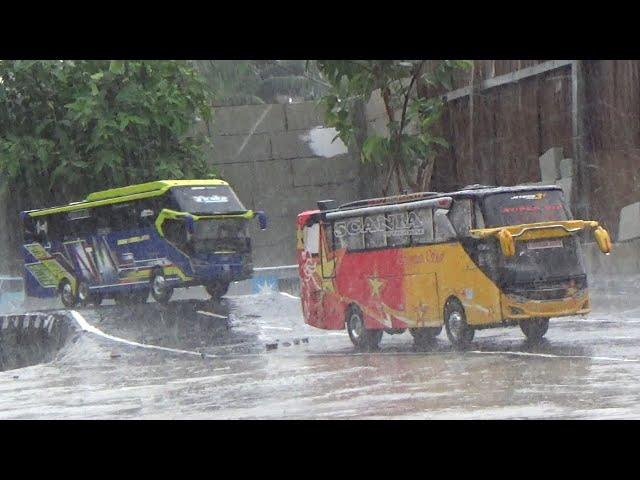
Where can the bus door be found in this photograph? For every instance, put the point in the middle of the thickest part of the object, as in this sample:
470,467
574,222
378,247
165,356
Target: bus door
476,286
311,275
421,265
332,310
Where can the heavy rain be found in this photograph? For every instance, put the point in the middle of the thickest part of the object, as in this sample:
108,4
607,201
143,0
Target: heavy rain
319,239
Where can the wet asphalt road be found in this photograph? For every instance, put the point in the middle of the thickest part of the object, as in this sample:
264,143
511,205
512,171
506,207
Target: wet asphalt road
587,368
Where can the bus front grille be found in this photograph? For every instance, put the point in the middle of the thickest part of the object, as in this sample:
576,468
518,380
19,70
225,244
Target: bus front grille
548,290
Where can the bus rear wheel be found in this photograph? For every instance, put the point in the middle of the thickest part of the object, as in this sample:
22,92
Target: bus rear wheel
455,321
67,295
160,290
534,328
217,289
362,337
423,337
95,299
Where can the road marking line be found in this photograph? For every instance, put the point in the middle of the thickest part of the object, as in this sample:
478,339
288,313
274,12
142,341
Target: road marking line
550,355
289,295
211,314
87,327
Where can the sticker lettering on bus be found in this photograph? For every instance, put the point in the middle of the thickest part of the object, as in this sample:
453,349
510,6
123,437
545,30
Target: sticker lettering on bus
395,224
210,199
127,241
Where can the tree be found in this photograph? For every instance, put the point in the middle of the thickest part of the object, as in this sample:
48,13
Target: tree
410,148
71,127
251,82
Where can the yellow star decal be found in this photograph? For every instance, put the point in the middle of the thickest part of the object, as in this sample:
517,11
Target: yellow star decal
376,284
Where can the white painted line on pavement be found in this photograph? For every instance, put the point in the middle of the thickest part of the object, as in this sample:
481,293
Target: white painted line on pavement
87,327
289,295
550,355
211,314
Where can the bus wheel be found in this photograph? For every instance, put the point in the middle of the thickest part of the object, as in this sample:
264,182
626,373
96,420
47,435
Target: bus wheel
67,295
160,291
95,299
423,337
455,321
534,328
217,289
83,294
362,337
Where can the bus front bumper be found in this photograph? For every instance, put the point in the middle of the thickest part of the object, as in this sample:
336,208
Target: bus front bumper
229,268
516,308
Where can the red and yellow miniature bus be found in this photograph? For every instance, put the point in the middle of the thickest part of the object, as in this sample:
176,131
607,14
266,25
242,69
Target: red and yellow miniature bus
477,258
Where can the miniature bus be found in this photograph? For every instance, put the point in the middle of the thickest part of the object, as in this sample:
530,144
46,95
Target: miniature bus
472,259
127,242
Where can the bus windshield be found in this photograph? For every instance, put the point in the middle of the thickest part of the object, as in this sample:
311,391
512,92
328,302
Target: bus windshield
207,200
534,260
515,208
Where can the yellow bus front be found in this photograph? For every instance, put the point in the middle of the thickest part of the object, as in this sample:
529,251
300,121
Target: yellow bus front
535,254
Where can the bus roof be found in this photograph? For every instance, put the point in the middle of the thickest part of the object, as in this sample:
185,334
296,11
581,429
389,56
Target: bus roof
477,191
124,194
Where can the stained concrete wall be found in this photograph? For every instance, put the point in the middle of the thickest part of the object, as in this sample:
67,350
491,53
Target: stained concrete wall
281,159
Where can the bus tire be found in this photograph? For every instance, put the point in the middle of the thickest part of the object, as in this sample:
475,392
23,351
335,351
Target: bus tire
362,337
160,292
83,294
455,321
67,295
423,337
534,328
217,289
96,299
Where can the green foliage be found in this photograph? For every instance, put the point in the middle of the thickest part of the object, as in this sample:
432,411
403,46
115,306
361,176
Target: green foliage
250,82
411,145
72,127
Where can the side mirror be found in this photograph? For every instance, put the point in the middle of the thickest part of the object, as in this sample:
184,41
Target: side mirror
507,244
262,220
603,240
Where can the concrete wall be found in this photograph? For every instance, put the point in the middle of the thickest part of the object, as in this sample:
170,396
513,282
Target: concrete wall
281,159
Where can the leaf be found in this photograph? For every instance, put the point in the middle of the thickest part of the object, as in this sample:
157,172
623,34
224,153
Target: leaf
116,67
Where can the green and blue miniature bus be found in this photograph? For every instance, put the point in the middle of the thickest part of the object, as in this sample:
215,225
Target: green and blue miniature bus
127,242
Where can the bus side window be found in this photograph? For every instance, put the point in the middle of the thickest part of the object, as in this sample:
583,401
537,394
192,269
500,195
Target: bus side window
311,238
374,231
355,235
340,234
147,213
479,217
57,225
123,217
423,221
82,228
81,224
103,220
444,231
398,237
328,235
460,216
